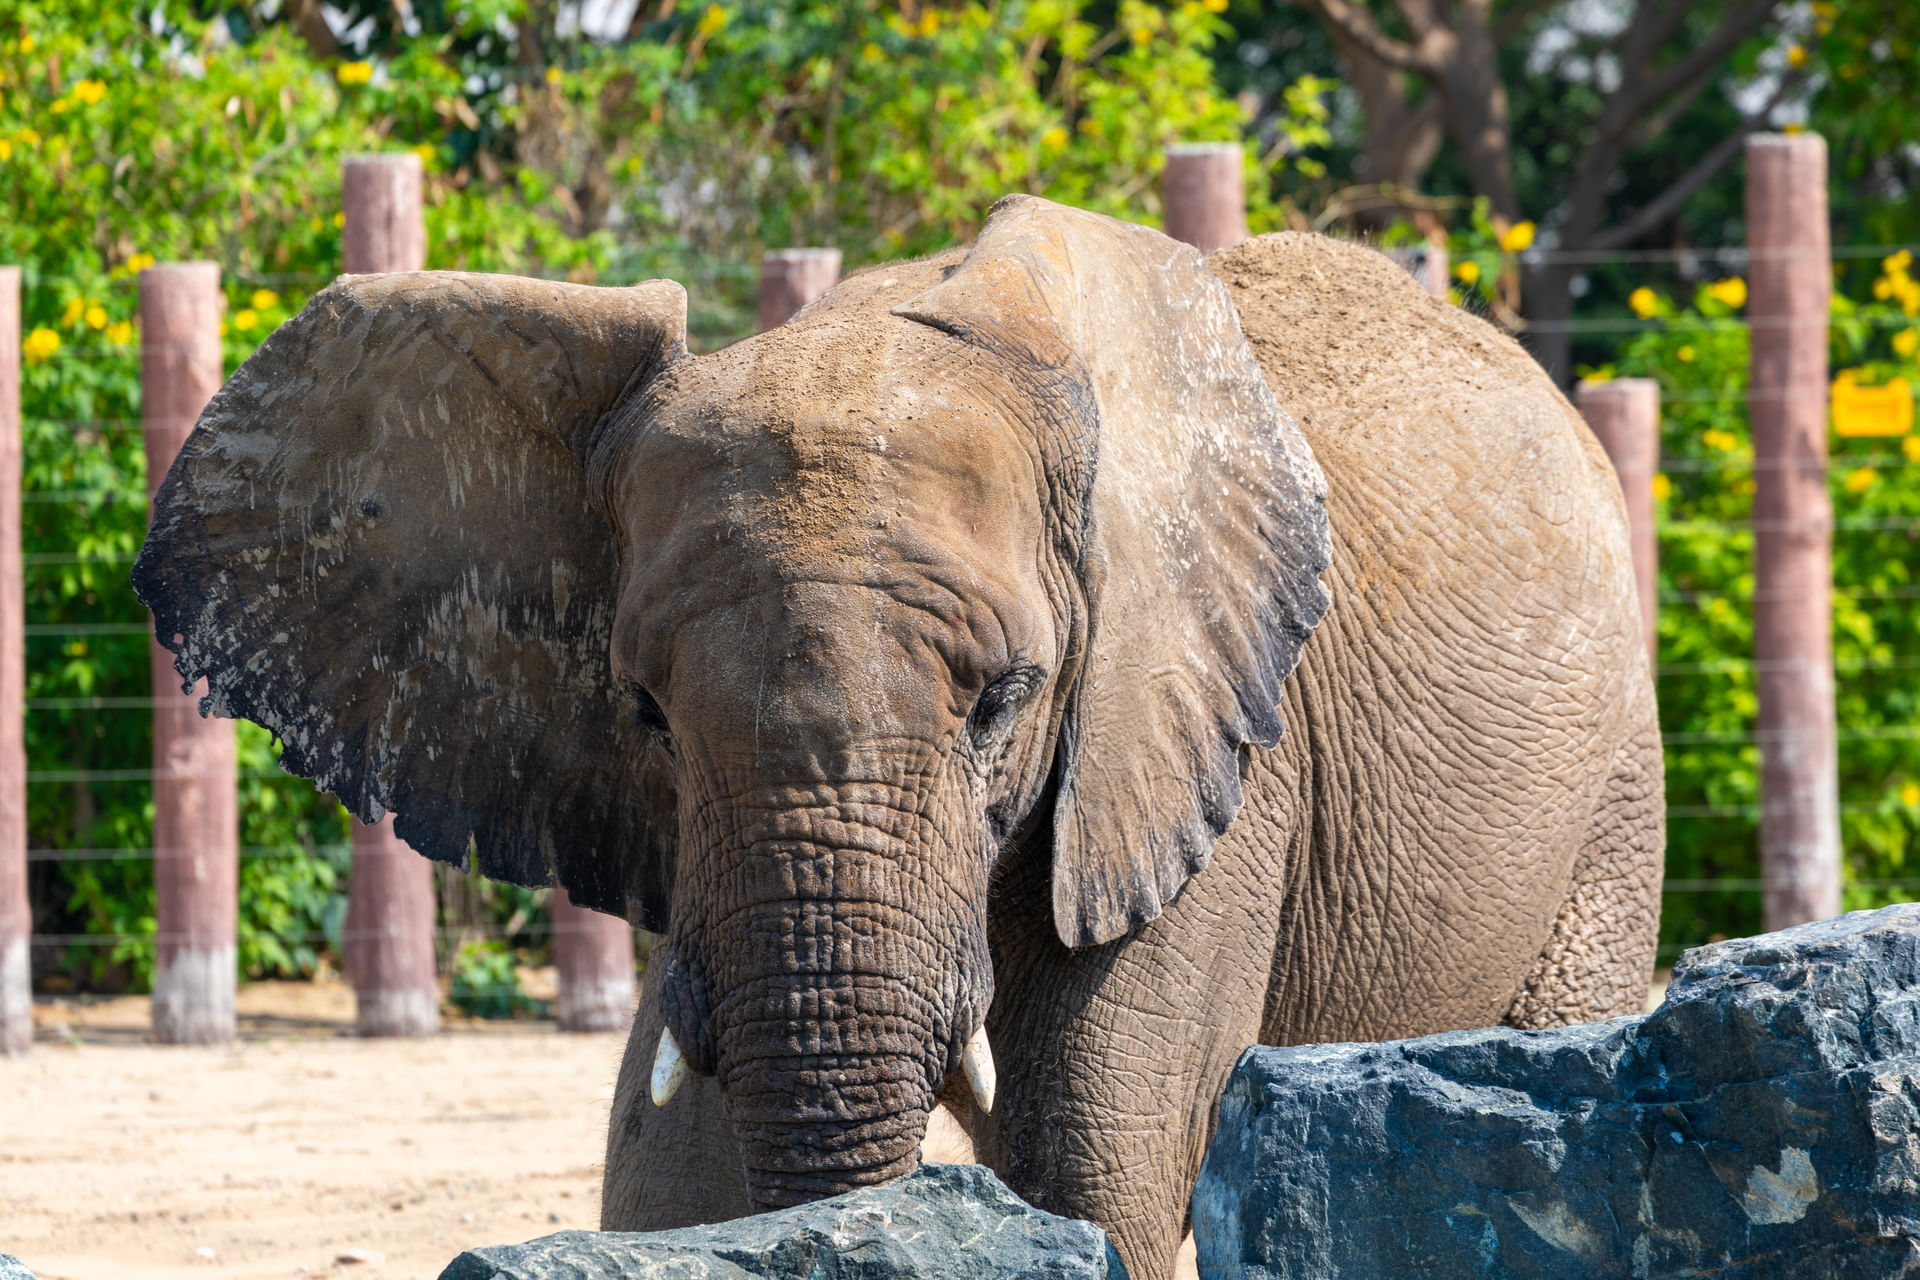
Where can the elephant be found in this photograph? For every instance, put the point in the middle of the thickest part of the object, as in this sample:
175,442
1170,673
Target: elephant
1023,680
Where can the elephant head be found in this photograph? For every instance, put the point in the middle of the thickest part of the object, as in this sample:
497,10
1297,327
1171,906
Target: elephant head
778,651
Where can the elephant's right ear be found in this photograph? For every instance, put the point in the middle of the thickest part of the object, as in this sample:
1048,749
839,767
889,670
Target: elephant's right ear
378,544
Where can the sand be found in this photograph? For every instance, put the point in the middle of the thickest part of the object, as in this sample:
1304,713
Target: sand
296,1145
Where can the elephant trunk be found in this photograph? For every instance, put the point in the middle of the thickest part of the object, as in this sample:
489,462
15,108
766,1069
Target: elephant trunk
837,994
828,1081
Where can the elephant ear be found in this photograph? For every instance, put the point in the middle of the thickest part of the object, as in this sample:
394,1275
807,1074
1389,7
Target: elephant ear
378,544
1195,518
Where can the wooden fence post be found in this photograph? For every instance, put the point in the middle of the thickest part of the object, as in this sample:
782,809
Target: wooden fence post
1625,415
196,844
388,936
16,914
791,278
390,893
382,201
594,953
1203,194
1790,282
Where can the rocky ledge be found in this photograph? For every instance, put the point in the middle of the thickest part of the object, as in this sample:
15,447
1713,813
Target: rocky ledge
945,1222
1764,1122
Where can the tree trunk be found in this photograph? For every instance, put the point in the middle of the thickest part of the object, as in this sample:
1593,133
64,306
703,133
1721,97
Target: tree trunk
1402,137
1546,289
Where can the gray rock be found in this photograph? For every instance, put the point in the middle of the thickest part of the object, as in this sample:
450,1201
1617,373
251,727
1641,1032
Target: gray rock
1764,1122
945,1222
11,1268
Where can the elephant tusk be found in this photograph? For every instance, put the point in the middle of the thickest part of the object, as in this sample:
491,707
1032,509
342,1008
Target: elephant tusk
977,1059
670,1069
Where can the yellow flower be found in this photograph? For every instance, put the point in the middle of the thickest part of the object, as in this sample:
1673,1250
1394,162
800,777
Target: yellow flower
1724,441
1898,263
1517,238
1684,355
120,332
1906,342
339,219
1792,127
264,300
1141,35
1054,138
6,149
553,75
872,52
1644,302
247,318
76,307
40,345
354,72
90,92
1468,271
1796,56
929,23
1861,480
96,316
426,153
1215,6
1731,292
1662,487
139,262
1089,126
27,138
1910,794
1911,447
26,44
712,20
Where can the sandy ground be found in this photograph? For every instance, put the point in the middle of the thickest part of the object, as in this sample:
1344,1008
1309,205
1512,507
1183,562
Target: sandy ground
301,1150
295,1146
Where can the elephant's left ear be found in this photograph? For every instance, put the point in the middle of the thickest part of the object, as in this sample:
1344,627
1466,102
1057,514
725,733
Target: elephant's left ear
1195,515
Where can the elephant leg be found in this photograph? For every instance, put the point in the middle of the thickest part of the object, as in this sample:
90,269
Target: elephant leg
1599,960
1111,1059
671,1166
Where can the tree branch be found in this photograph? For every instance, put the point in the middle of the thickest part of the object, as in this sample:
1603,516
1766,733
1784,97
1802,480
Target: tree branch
1514,19
1353,21
1668,202
1697,63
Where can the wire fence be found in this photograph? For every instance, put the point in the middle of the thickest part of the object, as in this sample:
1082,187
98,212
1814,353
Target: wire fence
133,493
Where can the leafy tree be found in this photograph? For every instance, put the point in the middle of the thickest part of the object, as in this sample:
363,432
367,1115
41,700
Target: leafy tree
1708,699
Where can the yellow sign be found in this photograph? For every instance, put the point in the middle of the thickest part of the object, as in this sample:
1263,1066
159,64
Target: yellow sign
1871,411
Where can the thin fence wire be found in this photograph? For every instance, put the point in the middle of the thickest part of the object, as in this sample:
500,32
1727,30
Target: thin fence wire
1732,257
531,929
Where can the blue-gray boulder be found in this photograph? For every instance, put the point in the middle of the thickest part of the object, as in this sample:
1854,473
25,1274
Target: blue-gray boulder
945,1222
1762,1124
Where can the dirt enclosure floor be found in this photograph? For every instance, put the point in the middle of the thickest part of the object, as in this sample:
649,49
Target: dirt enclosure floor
298,1151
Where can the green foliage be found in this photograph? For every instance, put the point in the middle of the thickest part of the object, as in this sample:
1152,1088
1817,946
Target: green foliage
486,983
1708,699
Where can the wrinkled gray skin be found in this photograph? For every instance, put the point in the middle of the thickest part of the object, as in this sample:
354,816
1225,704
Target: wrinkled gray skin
944,631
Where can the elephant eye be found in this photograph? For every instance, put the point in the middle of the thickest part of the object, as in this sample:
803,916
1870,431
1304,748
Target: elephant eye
648,716
993,711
